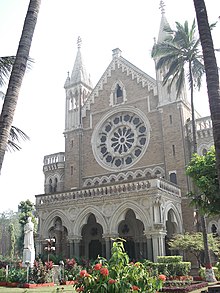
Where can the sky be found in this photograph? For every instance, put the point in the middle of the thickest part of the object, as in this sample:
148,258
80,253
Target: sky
103,26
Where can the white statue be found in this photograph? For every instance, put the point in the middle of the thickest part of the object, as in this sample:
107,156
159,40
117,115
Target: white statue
29,251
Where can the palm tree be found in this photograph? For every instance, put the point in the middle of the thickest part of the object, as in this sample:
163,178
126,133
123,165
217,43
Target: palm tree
212,76
212,80
17,74
180,55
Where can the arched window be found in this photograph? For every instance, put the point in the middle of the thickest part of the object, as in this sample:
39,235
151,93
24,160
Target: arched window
50,186
173,177
214,230
204,152
55,185
119,95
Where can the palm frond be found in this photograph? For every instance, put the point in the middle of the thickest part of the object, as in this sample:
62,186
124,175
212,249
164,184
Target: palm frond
173,54
6,64
16,135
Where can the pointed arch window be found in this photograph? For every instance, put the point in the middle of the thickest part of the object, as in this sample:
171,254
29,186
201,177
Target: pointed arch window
50,186
118,94
55,185
173,177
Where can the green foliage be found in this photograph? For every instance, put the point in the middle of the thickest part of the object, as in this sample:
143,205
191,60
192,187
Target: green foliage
12,240
17,275
193,243
26,210
203,171
2,275
117,275
180,48
7,239
172,266
170,259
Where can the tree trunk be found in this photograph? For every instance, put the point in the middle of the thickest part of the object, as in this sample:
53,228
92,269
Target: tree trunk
17,75
210,276
212,76
192,109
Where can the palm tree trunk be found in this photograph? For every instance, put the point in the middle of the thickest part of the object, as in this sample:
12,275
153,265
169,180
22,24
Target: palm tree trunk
17,75
212,76
192,109
210,276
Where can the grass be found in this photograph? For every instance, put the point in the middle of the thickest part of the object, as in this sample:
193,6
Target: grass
55,289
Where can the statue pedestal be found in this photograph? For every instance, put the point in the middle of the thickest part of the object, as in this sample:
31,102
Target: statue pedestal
28,257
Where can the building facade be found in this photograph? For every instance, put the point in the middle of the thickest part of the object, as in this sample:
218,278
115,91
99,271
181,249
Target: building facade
122,174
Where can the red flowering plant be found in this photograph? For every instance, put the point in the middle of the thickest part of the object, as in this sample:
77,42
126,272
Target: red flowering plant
117,275
71,268
41,273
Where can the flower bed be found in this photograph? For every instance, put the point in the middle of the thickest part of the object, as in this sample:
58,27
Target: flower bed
28,285
185,288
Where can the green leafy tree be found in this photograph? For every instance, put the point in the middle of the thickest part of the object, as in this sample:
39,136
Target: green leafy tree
16,77
26,210
203,171
12,241
7,219
193,243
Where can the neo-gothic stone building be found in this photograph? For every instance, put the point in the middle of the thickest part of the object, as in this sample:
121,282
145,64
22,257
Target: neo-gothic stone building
127,142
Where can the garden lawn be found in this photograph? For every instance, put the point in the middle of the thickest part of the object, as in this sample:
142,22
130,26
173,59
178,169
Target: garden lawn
55,289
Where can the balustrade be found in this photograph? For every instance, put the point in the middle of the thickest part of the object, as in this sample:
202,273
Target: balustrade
117,189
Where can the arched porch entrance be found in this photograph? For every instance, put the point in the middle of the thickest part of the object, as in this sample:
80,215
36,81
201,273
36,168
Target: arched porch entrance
172,228
131,229
59,232
92,244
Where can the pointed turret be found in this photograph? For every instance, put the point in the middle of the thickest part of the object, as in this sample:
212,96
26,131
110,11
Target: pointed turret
79,74
163,23
78,87
165,96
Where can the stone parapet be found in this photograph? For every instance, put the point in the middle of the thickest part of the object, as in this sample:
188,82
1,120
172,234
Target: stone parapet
116,189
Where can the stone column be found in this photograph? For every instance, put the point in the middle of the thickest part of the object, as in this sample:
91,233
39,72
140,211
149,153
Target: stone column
107,248
71,241
158,239
76,246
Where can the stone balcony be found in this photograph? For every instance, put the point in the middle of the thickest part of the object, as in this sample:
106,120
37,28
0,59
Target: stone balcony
203,127
54,161
110,190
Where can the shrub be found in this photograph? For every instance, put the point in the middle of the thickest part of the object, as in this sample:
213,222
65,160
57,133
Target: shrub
170,259
118,275
172,266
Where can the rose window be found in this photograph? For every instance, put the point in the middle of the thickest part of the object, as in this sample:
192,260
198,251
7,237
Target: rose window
121,140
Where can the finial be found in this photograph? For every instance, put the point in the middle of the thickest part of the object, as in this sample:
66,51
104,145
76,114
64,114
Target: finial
162,7
79,42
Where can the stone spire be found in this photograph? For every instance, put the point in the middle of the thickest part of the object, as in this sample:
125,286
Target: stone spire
163,23
79,74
